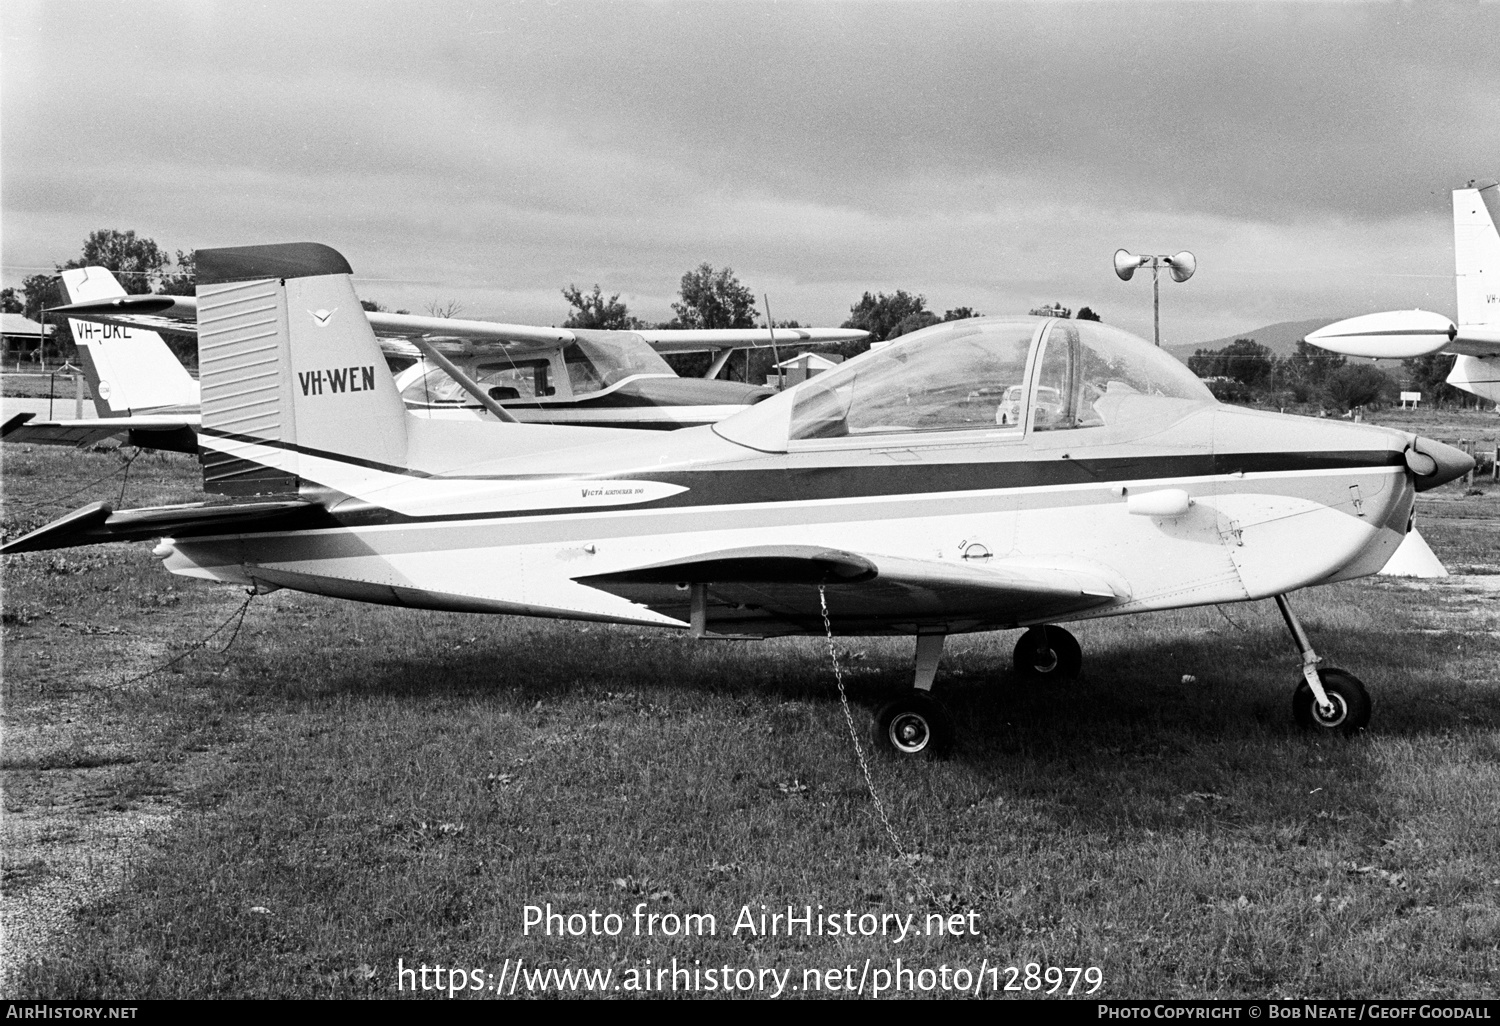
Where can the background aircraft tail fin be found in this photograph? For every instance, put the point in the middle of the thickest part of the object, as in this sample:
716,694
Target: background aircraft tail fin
129,370
1476,253
294,384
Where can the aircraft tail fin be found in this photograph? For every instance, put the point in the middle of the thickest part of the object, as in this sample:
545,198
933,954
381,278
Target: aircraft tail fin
295,388
129,370
1476,253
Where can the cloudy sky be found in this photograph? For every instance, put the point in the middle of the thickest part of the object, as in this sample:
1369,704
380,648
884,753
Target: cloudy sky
988,155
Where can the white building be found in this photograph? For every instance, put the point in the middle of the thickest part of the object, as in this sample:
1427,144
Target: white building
799,368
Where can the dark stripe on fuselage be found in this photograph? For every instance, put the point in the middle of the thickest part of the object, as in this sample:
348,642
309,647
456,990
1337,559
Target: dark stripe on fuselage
722,488
709,488
306,450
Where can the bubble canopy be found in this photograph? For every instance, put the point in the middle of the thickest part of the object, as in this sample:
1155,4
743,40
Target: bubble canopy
990,378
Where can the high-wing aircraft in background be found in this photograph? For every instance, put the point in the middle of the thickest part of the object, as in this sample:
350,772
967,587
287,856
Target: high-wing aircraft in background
142,393
449,367
1475,339
883,497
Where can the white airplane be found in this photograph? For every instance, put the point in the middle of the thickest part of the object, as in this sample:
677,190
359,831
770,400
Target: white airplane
142,393
450,368
882,497
1475,339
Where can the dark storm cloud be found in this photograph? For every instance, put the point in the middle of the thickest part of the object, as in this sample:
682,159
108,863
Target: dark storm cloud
990,155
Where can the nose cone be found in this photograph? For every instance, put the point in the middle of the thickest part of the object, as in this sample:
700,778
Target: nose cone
1433,463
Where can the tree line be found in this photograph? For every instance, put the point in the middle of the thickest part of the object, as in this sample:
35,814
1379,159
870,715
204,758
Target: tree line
708,297
1247,372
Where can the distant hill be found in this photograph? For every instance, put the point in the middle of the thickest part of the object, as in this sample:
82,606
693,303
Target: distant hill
1281,338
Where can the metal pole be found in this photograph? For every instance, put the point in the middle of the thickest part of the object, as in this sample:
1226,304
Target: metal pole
1156,298
775,353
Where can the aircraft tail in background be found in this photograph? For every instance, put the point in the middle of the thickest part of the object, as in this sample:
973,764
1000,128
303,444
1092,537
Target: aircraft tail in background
129,370
1474,340
1476,255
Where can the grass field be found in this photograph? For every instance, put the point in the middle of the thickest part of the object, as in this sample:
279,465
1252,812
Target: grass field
349,786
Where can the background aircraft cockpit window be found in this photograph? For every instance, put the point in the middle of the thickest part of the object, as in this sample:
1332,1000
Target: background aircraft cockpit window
596,361
527,379
1087,368
959,377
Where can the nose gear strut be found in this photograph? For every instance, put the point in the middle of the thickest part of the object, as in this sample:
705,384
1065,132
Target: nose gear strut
1329,699
1310,659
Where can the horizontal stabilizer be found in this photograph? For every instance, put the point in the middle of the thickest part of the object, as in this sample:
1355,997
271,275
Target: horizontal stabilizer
14,423
170,432
97,523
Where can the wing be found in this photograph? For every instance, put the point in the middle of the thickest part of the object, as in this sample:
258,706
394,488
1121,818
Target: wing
1470,342
173,432
155,313
709,340
462,337
457,336
775,587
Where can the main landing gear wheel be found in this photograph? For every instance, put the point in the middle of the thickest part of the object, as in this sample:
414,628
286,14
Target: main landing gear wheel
914,726
1048,653
1350,700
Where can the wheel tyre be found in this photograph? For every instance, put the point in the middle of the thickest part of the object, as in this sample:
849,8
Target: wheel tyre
1351,703
1047,653
914,726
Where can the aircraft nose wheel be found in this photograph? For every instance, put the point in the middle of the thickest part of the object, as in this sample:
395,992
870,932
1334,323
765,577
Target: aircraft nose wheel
1047,653
914,726
1351,703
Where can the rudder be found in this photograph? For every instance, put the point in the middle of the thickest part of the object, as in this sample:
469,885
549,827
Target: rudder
295,388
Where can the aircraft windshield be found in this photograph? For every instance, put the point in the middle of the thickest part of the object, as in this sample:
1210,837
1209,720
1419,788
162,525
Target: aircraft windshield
1087,369
600,359
964,376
